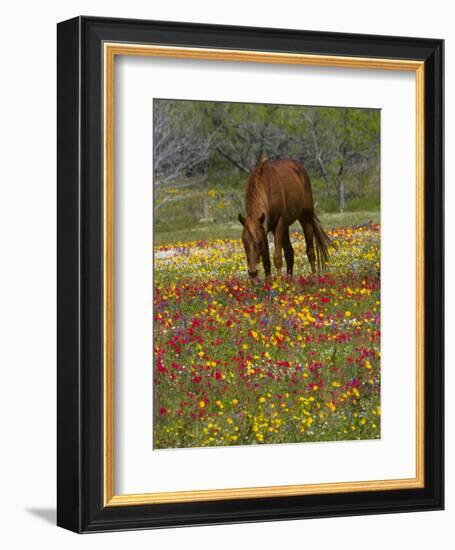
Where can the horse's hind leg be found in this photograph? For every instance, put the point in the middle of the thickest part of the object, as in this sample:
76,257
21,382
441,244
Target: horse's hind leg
288,251
278,241
307,227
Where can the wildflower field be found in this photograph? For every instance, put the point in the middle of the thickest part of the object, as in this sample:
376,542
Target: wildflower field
285,361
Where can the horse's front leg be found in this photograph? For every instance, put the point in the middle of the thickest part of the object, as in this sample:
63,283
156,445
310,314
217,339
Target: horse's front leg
288,251
266,258
278,240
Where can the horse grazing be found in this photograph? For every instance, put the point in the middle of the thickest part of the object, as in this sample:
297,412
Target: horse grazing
277,194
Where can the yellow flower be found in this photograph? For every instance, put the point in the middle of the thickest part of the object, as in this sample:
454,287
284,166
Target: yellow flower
202,404
347,314
262,400
235,401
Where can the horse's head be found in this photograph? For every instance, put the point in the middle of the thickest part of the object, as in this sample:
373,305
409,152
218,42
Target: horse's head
254,239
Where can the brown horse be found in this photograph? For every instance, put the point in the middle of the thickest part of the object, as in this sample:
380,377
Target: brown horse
277,194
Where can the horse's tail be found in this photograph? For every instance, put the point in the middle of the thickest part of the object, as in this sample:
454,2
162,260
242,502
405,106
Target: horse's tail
323,243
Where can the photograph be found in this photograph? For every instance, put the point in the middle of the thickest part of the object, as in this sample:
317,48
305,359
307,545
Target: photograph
267,273
226,322
250,264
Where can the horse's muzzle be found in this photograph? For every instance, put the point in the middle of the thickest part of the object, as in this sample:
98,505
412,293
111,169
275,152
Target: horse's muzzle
253,274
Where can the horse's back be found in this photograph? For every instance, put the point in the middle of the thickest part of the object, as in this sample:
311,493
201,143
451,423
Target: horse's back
290,188
285,167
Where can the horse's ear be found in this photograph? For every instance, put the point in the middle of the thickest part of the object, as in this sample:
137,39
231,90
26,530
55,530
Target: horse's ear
262,218
262,158
242,220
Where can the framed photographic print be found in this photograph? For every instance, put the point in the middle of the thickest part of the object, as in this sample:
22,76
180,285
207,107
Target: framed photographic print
250,274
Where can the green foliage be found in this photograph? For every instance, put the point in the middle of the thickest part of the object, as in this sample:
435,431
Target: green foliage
203,147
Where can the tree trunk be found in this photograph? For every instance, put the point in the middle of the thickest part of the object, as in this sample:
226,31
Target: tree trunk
341,197
341,200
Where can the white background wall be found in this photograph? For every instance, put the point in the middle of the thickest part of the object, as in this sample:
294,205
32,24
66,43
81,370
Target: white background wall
28,263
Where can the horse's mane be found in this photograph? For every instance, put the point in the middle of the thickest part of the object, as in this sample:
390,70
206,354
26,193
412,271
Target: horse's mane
256,201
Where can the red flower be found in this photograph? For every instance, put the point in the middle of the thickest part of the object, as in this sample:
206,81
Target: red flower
160,366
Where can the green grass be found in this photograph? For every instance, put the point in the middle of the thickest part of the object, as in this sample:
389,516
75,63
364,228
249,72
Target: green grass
232,230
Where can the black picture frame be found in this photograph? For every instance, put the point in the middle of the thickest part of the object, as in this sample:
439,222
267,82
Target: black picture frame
80,474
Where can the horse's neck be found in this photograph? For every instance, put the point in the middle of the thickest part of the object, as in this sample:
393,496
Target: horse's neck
257,201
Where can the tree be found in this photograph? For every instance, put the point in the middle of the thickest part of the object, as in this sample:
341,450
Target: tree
179,142
202,140
338,139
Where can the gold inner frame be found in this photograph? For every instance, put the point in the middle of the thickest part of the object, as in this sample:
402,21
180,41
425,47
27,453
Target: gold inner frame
109,52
